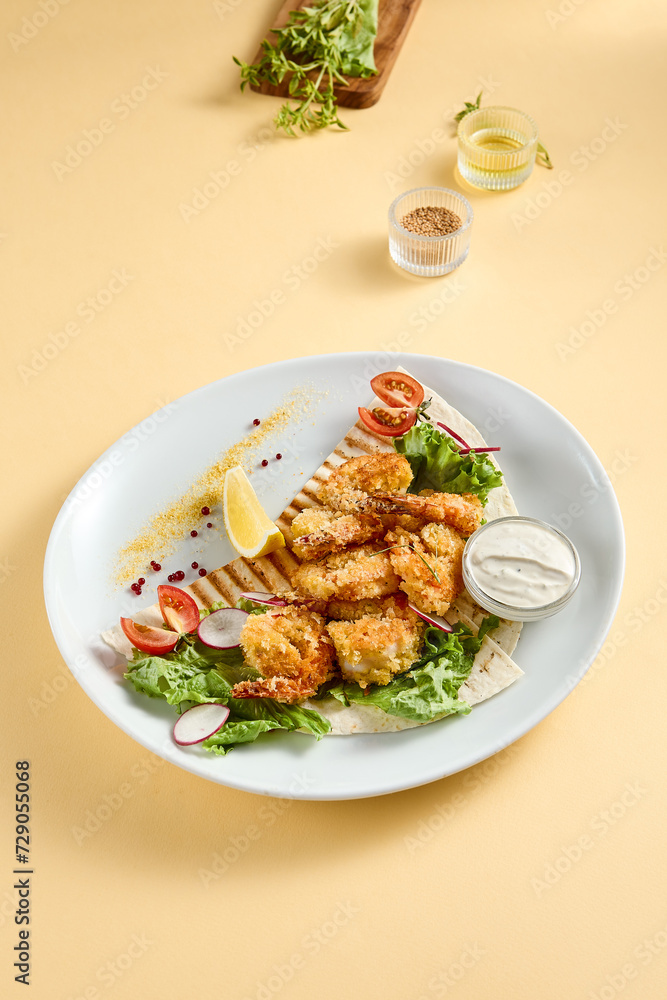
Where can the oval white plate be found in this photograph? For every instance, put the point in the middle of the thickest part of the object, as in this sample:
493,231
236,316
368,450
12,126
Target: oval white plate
550,469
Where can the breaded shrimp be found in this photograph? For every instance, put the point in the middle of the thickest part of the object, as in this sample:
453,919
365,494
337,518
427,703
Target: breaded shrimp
463,512
358,476
293,652
391,606
429,565
373,650
356,573
317,531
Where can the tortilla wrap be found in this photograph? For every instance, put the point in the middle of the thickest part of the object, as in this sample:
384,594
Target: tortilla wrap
493,669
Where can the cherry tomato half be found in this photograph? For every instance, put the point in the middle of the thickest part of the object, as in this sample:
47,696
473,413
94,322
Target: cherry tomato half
148,639
387,423
396,389
178,609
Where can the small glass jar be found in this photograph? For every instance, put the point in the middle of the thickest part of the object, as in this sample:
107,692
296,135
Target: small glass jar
513,612
497,148
429,256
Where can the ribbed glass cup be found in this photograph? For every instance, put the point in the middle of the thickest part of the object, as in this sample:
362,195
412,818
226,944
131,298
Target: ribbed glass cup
497,148
429,256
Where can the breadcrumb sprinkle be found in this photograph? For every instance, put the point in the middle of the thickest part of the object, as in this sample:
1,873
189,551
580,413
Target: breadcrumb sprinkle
161,535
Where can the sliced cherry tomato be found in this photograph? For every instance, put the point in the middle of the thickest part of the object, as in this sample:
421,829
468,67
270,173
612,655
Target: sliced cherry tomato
148,639
396,389
387,423
178,609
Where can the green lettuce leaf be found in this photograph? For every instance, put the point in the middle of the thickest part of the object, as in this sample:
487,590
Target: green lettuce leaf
253,609
429,690
357,40
233,733
250,717
285,716
489,623
437,464
195,673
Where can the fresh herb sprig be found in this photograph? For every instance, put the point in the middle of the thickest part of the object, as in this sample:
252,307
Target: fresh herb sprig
542,158
316,47
468,107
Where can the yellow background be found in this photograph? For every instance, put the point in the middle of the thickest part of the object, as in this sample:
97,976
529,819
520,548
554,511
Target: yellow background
438,891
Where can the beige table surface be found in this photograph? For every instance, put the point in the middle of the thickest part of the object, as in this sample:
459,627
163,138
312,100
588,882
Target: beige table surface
471,887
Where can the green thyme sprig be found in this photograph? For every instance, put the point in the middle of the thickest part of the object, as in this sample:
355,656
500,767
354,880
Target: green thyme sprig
411,546
542,158
310,48
468,108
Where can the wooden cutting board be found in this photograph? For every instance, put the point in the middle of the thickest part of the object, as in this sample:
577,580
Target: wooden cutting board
394,20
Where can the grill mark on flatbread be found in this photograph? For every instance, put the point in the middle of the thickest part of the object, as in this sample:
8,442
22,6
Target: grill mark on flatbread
224,585
287,563
310,496
271,575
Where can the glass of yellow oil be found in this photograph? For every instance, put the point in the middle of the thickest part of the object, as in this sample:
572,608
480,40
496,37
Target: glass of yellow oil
497,148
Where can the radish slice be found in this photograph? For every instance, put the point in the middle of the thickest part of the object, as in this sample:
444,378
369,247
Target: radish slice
222,629
198,723
260,597
434,620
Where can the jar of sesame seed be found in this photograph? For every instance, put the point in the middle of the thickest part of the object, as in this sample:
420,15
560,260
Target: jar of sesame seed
429,230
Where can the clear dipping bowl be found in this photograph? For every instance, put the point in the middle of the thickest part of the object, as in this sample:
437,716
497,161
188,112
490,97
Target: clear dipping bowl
429,256
509,611
497,148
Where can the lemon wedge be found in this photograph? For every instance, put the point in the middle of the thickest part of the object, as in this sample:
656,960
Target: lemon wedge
250,530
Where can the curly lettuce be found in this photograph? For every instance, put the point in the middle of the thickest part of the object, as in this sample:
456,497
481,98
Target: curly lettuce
194,674
437,464
429,690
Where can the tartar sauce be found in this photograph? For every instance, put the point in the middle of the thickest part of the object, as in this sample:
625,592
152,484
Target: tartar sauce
521,562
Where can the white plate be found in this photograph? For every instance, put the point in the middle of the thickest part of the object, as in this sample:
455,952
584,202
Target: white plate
551,471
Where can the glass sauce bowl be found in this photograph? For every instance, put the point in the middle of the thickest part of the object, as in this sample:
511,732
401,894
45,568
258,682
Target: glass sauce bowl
512,527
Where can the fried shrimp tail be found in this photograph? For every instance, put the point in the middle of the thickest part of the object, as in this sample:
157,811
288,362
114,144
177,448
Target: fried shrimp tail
287,690
460,511
293,652
318,532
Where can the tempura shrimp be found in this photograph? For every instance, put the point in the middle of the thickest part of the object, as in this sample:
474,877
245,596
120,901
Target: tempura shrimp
356,573
429,565
372,650
291,649
317,532
390,606
461,511
361,475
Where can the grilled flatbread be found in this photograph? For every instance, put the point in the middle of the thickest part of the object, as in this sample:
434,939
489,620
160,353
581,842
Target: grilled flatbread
493,669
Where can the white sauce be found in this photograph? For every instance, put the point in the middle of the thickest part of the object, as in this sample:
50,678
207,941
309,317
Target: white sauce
522,564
